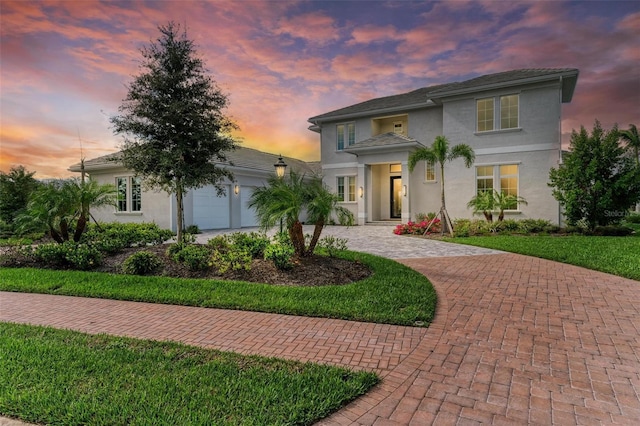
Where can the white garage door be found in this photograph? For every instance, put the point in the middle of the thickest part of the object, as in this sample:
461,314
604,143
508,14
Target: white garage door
209,210
247,215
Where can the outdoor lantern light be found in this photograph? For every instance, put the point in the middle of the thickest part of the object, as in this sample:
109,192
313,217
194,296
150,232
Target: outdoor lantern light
236,189
361,192
280,166
404,190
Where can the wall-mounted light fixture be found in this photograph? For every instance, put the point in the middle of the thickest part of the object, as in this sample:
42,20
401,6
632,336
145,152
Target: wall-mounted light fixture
404,190
361,192
236,189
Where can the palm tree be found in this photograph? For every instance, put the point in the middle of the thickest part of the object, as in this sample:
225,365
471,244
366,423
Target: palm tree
321,204
440,153
632,138
504,201
57,206
285,199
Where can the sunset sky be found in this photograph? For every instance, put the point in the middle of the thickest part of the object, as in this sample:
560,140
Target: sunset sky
65,64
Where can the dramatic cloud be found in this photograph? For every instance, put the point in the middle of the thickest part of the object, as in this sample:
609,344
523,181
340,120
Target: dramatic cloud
66,64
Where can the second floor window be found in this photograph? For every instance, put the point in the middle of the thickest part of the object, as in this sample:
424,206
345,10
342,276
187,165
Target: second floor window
346,135
486,119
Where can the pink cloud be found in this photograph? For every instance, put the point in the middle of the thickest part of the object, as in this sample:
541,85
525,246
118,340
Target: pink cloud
315,28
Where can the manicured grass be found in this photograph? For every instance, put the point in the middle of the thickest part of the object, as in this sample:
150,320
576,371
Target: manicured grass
615,255
64,377
394,294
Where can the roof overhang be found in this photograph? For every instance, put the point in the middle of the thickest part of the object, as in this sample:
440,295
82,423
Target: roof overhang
405,146
568,80
316,121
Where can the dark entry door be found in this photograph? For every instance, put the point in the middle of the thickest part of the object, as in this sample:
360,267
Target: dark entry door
396,197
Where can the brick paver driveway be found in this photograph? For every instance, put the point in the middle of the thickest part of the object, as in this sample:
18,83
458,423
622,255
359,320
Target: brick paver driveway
515,340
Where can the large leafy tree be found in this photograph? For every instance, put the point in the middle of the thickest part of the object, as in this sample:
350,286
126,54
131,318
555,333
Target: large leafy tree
285,199
62,208
173,120
597,182
15,189
440,153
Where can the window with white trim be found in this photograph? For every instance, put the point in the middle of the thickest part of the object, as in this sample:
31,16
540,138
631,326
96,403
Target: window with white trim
345,135
129,194
502,178
346,188
429,171
509,118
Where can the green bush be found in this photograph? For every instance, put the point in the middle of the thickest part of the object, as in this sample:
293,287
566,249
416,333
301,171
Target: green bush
192,229
281,255
235,259
69,254
219,242
633,218
126,234
253,242
424,217
141,263
333,245
475,227
194,257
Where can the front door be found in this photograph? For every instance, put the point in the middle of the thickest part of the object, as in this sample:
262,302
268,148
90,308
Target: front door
396,197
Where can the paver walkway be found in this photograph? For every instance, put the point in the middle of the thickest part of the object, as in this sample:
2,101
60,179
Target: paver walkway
516,340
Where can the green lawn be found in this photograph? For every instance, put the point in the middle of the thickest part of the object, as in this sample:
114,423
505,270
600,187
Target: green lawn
63,377
394,294
615,255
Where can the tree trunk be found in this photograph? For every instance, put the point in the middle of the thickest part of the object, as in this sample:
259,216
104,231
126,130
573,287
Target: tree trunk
180,214
444,216
80,227
55,235
297,238
317,230
501,216
64,230
488,215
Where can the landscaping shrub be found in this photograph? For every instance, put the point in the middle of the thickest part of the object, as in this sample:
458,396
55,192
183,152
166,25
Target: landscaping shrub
69,254
192,229
141,263
281,255
475,227
128,234
333,245
194,257
422,217
633,218
253,242
235,258
219,242
417,228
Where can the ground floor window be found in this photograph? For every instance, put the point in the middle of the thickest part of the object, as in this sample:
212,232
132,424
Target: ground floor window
129,194
429,172
503,178
346,188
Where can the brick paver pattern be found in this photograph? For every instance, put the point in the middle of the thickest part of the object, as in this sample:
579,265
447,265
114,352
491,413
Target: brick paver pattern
515,340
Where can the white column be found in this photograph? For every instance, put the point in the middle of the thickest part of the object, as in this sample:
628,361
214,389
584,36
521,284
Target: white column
361,182
406,205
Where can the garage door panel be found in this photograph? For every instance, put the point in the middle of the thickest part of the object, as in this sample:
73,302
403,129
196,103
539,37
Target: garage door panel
209,210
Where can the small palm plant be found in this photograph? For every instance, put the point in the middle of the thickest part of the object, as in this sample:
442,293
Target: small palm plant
440,153
62,208
487,202
483,202
287,197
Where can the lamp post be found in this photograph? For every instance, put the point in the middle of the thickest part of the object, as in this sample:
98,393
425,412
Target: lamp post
280,166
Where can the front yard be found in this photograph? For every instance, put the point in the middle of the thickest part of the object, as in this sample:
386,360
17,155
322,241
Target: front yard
614,255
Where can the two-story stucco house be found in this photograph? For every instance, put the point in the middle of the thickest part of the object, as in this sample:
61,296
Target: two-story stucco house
510,119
